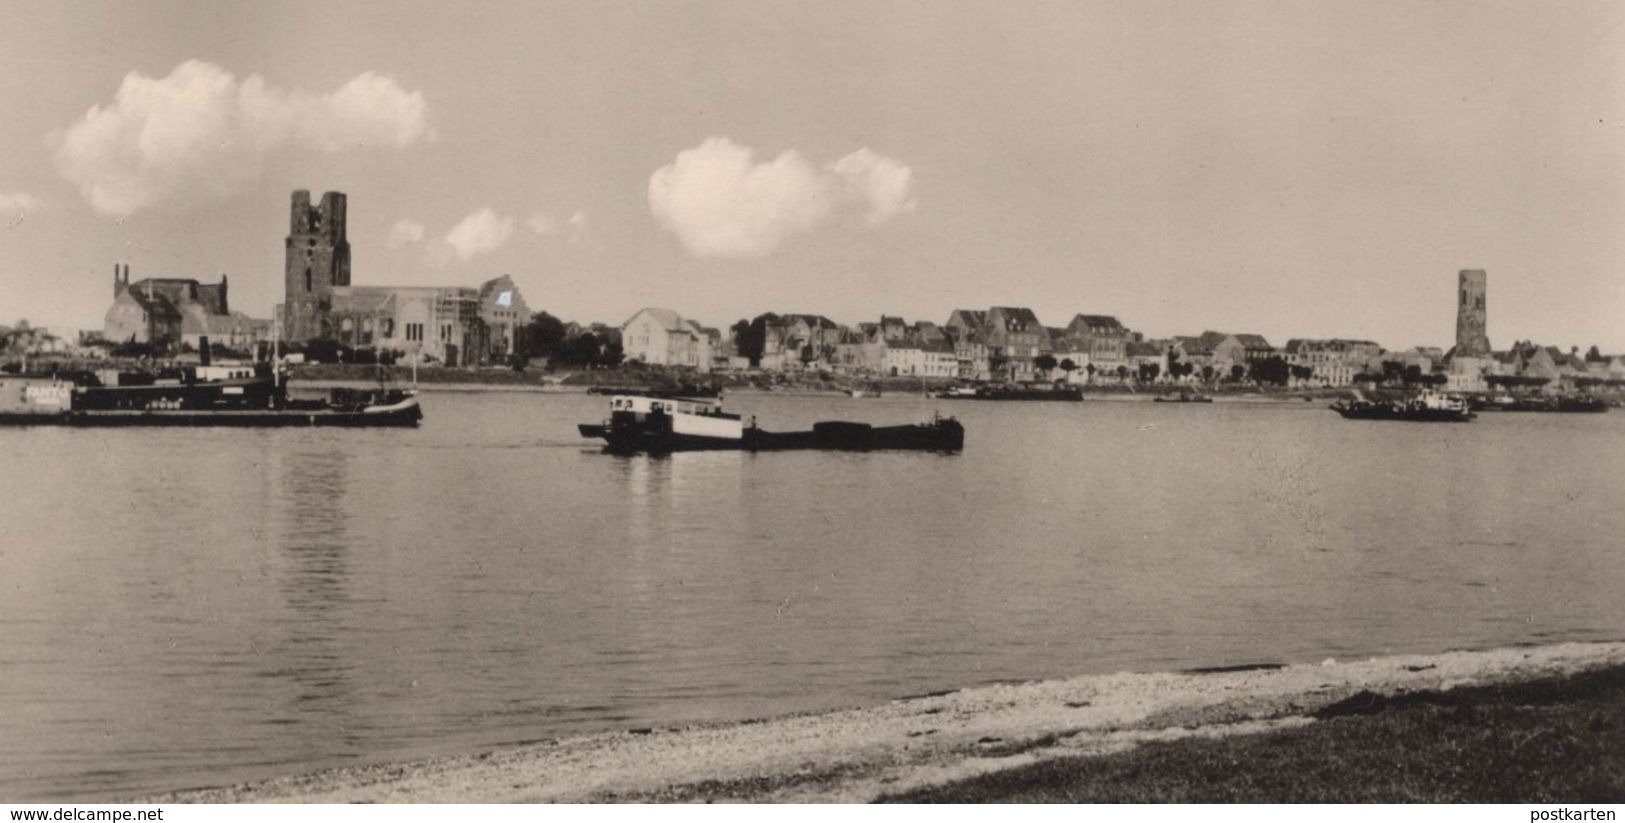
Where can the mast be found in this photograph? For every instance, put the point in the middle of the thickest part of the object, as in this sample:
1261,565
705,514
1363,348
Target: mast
276,348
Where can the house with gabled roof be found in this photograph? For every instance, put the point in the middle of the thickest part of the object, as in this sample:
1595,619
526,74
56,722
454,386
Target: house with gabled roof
1242,350
963,320
175,311
662,337
1014,339
1105,337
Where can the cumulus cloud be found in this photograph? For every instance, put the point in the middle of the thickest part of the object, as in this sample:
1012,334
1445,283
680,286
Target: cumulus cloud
546,225
405,233
16,201
482,232
543,224
720,202
879,181
200,129
577,224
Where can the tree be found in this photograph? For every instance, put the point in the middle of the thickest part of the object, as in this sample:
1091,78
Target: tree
544,335
1272,370
751,338
1392,371
1122,372
1302,373
1207,374
588,350
1237,372
1044,362
1593,355
1091,370
1149,372
1068,366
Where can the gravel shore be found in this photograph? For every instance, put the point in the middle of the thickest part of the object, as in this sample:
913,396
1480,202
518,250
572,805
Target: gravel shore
859,754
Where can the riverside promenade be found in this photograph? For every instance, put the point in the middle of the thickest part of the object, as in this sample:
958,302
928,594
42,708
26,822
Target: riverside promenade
916,744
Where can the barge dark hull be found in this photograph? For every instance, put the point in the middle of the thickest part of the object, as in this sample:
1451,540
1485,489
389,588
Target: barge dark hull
402,418
1064,396
1411,415
942,436
1561,407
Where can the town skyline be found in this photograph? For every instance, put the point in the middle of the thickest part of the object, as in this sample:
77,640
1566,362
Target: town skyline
1240,167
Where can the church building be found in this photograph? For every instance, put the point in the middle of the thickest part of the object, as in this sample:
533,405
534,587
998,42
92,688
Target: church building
455,325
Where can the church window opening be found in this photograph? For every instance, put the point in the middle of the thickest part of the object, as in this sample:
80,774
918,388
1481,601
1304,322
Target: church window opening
307,278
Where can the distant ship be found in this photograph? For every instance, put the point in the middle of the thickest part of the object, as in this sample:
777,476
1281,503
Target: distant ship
1426,407
1560,403
996,392
1182,396
244,396
687,390
640,423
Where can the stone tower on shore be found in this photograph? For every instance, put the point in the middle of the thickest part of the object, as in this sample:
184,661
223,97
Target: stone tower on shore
318,260
1472,338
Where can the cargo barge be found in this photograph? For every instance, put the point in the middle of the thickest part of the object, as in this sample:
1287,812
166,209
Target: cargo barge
240,396
1427,407
1566,404
639,423
1070,394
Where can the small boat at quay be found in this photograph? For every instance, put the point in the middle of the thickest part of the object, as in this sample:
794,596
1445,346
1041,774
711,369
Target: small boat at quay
639,423
242,396
1071,394
1184,396
671,393
1426,407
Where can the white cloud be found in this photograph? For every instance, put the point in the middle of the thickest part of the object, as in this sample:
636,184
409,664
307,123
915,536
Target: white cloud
405,233
879,181
546,225
482,232
721,203
201,130
11,201
543,224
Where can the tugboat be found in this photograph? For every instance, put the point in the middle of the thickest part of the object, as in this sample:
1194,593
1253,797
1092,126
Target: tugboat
639,423
1427,407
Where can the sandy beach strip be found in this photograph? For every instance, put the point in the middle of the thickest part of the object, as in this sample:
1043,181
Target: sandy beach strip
856,755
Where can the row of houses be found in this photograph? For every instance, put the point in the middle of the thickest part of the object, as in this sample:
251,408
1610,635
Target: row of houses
1001,343
1011,344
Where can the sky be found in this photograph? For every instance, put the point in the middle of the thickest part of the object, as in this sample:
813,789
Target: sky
1311,168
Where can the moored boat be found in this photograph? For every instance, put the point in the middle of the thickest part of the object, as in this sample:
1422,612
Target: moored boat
1558,403
249,397
687,390
1071,394
1182,396
655,424
1426,407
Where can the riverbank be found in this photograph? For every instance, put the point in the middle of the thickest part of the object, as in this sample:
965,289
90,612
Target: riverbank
926,748
441,378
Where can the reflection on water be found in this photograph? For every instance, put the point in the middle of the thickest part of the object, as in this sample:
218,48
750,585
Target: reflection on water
310,531
189,608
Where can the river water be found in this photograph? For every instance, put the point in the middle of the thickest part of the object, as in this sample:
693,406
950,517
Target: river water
189,608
